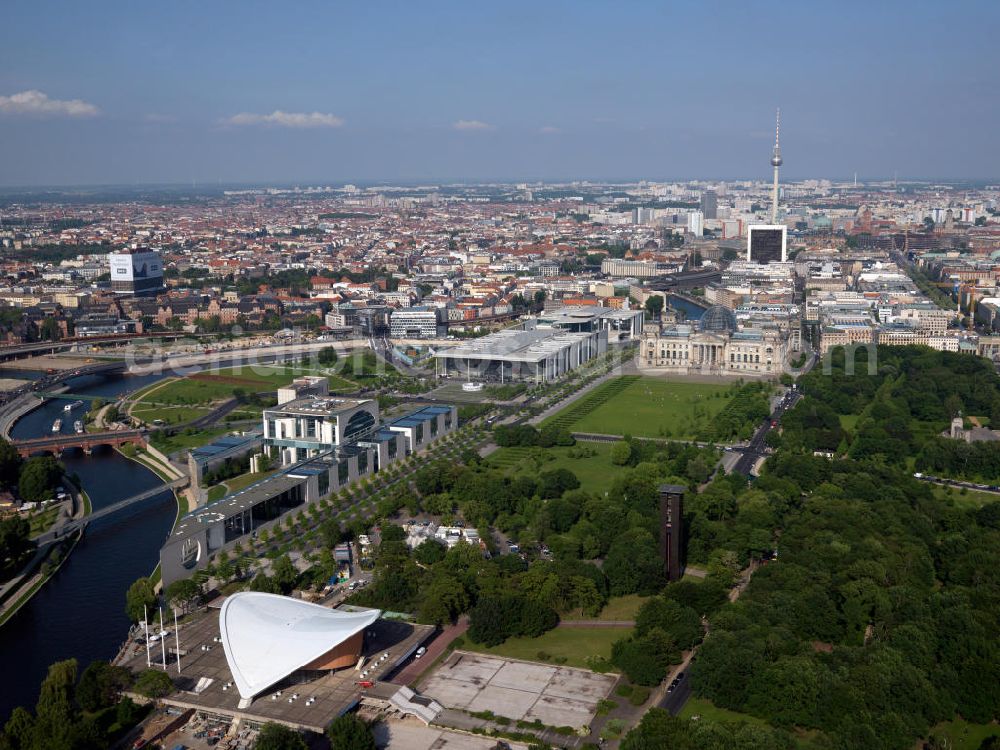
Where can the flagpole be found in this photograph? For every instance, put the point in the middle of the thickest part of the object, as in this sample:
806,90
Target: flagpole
163,641
177,640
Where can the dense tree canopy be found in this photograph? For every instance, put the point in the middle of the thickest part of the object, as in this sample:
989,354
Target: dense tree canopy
279,737
39,478
874,623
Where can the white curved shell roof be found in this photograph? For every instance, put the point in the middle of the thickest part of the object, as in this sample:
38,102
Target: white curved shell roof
266,637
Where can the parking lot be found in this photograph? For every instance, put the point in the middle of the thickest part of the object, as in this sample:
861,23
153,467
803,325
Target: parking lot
556,696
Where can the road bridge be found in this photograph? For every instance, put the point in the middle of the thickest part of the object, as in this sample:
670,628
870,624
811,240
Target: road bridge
20,351
56,444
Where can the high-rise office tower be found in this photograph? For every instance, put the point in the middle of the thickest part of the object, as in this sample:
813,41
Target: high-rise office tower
696,223
767,243
776,163
710,204
136,270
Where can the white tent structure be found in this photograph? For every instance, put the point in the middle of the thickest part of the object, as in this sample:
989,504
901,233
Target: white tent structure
267,637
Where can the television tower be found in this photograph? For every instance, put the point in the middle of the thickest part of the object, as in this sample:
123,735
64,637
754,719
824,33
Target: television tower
775,162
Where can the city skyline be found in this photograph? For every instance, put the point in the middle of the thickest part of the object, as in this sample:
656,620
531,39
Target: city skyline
449,93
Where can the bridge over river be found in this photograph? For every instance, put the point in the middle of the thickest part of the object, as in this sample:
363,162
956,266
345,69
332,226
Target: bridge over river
86,441
70,526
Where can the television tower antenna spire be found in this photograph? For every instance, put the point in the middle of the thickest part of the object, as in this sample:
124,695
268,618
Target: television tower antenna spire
776,162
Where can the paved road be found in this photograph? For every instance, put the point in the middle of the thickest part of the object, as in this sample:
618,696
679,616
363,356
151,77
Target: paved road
946,482
435,648
757,447
674,700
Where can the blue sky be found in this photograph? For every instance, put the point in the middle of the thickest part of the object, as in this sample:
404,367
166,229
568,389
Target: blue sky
135,92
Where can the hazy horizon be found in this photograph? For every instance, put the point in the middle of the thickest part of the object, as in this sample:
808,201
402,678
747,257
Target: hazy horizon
256,93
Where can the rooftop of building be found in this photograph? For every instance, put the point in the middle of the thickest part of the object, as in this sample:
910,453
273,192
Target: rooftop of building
225,444
575,315
231,505
206,682
515,344
420,416
314,406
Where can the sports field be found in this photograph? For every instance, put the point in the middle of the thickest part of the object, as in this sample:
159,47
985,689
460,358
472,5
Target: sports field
646,407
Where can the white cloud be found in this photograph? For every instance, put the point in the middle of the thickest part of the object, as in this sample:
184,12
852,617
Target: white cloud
288,119
549,130
37,103
472,125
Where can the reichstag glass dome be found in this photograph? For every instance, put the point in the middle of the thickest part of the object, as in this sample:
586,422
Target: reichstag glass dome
718,319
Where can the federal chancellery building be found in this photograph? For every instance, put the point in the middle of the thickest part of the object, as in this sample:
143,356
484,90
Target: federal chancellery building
322,443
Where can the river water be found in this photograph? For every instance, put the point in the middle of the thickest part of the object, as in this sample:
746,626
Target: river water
692,312
80,612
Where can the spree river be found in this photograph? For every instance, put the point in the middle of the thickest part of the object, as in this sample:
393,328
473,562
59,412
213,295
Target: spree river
80,611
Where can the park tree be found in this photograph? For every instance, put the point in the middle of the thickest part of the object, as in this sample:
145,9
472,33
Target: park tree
264,583
279,737
645,658
430,551
55,712
654,306
348,732
139,599
633,564
153,683
49,329
19,730
681,623
224,569
621,453
39,478
284,573
15,542
10,464
100,685
443,600
557,481
183,594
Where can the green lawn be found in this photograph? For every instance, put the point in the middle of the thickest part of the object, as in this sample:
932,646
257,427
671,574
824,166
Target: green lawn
216,493
186,391
186,441
595,472
169,414
970,498
274,376
649,407
617,608
965,736
708,711
576,644
245,480
849,421
40,522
